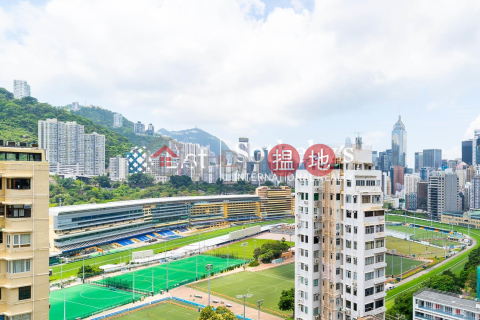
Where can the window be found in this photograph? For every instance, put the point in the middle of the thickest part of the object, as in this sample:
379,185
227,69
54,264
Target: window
348,289
27,316
365,199
380,228
349,213
349,183
24,293
370,183
379,258
378,303
19,211
348,259
360,183
376,199
379,288
369,260
355,245
368,214
369,245
380,243
369,229
18,183
348,304
368,292
18,266
368,276
348,199
338,196
315,282
19,240
379,273
448,309
369,307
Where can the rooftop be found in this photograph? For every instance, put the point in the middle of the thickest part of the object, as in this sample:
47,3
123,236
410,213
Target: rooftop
55,211
449,299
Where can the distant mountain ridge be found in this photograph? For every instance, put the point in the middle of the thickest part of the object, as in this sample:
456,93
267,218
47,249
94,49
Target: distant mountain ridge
196,135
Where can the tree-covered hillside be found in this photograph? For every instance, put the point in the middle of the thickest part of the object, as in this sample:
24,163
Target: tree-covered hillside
104,117
19,122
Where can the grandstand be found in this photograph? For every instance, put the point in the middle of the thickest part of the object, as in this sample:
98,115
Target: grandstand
116,224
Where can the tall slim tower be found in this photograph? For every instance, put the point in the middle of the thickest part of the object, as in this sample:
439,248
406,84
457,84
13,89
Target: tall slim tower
399,144
340,241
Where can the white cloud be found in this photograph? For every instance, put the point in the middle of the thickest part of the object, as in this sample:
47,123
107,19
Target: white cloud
475,124
178,63
452,153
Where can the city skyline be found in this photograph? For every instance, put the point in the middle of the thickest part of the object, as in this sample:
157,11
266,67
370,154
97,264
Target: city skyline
303,75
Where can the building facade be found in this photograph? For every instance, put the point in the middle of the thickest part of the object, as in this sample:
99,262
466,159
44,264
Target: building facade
139,128
24,227
94,154
340,242
429,304
418,161
117,120
432,158
399,144
20,89
150,130
118,168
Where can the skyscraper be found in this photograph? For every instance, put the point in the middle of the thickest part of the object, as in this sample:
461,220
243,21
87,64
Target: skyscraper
139,128
397,173
436,193
117,120
399,144
94,154
476,148
432,158
467,150
20,89
340,247
244,161
418,161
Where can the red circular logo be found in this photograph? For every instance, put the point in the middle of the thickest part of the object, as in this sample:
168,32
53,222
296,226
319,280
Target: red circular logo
319,160
283,160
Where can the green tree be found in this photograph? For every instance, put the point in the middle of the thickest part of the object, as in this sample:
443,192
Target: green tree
443,282
287,300
403,305
89,271
221,313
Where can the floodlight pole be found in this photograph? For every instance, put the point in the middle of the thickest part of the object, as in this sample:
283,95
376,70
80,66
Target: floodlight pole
83,270
152,279
259,304
61,284
244,245
209,267
228,253
244,296
426,252
196,259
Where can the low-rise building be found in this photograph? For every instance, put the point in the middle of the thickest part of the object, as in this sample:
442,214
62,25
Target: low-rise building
430,304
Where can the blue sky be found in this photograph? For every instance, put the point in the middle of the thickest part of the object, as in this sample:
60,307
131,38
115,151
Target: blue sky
269,70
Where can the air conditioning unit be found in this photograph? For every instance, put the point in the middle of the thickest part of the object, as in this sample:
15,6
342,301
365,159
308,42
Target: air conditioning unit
317,261
305,202
299,225
317,317
315,218
318,189
347,312
298,215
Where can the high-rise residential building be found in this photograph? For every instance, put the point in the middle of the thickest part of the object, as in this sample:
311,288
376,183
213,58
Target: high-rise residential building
348,142
150,130
117,120
340,247
432,158
20,89
451,191
75,106
396,174
24,224
411,183
474,193
442,192
399,144
412,203
139,128
118,168
94,154
476,148
418,161
467,150
74,143
52,138
422,195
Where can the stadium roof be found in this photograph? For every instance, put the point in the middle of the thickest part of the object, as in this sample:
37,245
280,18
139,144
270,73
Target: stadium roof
449,299
55,211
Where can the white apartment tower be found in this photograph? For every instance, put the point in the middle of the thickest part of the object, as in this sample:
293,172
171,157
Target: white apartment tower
52,138
118,167
94,154
340,244
117,120
20,89
74,146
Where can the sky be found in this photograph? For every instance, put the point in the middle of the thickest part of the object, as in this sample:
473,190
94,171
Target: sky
286,70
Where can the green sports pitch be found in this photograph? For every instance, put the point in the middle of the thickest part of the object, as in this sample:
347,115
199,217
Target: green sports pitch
419,234
179,272
84,300
266,285
162,311
400,265
236,249
413,248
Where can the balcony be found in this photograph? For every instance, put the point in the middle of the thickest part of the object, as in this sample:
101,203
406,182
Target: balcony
452,315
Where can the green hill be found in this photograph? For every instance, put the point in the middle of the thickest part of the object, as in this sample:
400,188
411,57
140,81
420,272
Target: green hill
104,117
19,122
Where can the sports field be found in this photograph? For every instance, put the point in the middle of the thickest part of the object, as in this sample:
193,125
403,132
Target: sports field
236,249
178,272
416,248
84,300
403,267
266,285
420,234
71,269
163,311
